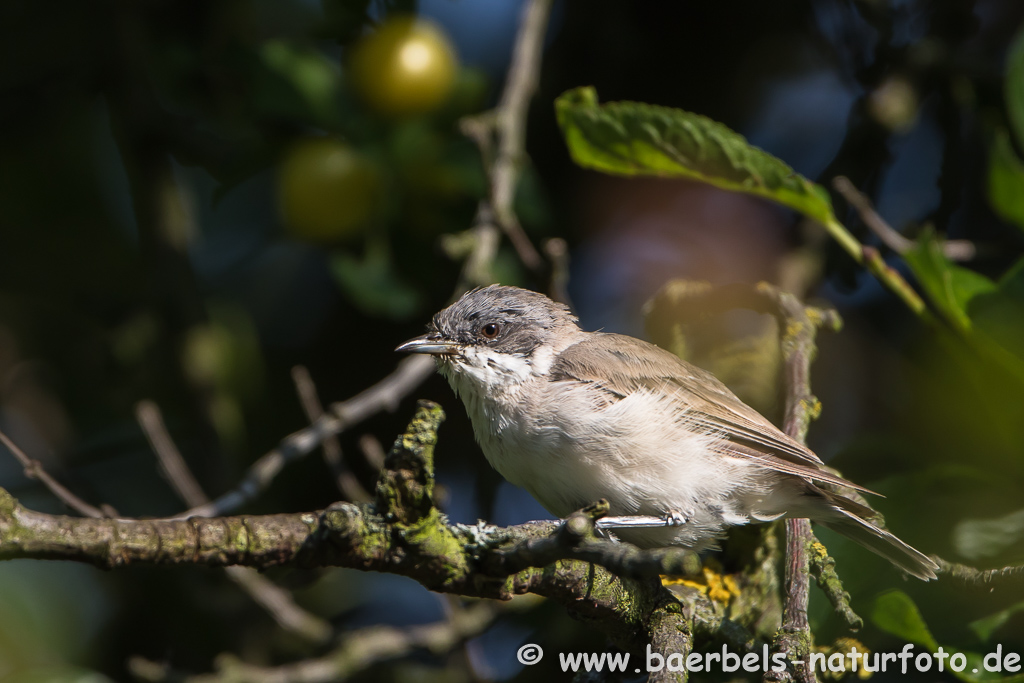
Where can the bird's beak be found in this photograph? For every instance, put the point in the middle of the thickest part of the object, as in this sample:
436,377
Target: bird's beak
429,343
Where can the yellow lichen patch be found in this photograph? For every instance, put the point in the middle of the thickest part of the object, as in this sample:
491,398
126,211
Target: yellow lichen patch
719,587
793,330
844,656
812,407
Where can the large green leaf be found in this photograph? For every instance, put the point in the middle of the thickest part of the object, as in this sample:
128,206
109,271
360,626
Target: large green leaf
896,613
949,287
631,138
1014,87
986,626
1006,180
999,315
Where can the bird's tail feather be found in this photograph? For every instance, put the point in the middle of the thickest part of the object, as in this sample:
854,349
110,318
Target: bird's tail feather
881,542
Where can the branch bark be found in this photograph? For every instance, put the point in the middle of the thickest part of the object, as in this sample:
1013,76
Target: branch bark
402,532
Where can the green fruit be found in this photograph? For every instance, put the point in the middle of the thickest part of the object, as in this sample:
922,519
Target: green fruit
326,190
406,67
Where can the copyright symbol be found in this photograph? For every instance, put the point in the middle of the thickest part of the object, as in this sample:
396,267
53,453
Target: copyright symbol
530,654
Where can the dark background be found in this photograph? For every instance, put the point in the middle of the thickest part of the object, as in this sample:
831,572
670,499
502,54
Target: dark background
107,107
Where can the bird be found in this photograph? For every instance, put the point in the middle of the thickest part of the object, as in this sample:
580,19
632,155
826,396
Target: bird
575,416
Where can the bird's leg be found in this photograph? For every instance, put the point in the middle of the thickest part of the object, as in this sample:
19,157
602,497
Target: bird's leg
670,518
674,518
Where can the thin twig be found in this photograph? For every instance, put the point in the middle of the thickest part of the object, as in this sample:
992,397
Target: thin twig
510,121
509,124
872,260
823,568
557,252
797,330
957,250
372,450
346,481
979,577
280,605
34,470
357,651
167,454
264,592
384,395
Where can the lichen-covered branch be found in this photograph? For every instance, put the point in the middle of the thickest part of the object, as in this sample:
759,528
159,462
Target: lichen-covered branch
823,568
400,533
794,638
34,470
384,395
980,577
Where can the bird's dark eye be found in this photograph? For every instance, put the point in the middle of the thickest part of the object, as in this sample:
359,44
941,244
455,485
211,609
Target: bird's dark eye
490,330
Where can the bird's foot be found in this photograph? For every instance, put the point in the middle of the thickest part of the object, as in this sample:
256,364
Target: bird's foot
674,518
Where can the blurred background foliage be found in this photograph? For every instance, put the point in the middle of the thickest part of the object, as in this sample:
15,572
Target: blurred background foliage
196,196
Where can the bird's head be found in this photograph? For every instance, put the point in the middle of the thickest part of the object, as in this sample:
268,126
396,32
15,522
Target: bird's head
497,334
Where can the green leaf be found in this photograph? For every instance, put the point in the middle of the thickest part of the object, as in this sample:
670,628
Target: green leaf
631,138
1014,87
374,286
1006,180
999,315
948,286
895,612
986,626
298,82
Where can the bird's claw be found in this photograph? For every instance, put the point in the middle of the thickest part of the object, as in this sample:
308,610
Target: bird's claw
674,518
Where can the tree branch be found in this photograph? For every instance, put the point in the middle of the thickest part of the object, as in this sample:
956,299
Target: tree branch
797,330
980,577
400,533
355,652
507,123
510,125
823,568
384,395
268,595
34,470
345,480
957,250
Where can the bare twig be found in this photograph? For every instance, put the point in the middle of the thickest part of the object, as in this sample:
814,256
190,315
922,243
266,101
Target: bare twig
508,123
34,470
384,395
274,599
372,451
357,651
167,454
557,252
280,605
347,483
957,250
872,260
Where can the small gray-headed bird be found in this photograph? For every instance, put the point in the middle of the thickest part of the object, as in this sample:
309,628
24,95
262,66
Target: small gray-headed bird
574,416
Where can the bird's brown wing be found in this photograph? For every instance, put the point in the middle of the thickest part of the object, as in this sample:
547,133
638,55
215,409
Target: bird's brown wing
621,365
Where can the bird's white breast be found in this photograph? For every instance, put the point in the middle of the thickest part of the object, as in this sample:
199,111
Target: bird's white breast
568,445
